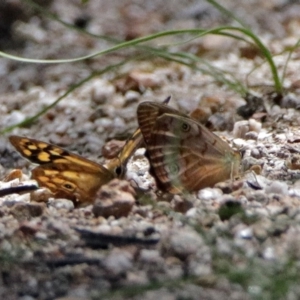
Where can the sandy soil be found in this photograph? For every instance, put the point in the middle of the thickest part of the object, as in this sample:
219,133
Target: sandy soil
237,240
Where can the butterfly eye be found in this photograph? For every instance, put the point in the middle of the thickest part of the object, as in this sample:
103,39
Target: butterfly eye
185,127
69,186
119,171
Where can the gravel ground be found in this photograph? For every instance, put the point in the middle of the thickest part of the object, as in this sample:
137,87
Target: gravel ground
238,240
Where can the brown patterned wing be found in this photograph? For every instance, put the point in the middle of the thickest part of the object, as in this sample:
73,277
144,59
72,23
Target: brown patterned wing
67,175
183,154
147,114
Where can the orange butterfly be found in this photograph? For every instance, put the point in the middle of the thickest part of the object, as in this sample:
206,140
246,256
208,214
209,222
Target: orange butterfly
71,176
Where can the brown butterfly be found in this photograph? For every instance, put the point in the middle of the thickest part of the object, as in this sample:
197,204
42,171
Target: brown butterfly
71,176
183,154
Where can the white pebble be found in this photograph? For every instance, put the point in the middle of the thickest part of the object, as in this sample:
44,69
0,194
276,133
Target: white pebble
209,194
277,187
269,253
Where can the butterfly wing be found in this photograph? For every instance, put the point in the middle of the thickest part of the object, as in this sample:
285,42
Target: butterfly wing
184,155
66,174
147,114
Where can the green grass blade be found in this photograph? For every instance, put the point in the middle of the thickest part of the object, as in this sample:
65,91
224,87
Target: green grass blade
248,32
226,12
31,119
290,51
